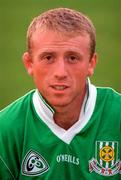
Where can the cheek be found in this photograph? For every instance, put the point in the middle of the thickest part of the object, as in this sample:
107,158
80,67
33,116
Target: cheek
81,72
79,78
40,75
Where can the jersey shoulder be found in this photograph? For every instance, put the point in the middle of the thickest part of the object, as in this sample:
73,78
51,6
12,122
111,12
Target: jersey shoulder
110,99
109,92
12,115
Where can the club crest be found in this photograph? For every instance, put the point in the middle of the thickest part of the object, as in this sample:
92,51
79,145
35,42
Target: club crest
34,164
105,162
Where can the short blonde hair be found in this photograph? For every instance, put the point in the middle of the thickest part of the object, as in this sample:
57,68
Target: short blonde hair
65,21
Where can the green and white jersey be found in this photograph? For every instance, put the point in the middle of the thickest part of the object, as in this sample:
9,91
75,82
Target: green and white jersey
33,147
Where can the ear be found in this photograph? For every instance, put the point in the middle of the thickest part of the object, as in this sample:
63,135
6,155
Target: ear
92,64
27,60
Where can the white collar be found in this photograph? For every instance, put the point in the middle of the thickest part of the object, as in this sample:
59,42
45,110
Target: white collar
45,112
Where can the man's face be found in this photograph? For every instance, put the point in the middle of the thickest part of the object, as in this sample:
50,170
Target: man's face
60,66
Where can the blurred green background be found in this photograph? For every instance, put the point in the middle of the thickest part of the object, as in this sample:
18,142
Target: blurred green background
15,17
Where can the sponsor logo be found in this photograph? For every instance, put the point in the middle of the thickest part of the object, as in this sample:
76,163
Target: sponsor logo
67,158
34,164
106,162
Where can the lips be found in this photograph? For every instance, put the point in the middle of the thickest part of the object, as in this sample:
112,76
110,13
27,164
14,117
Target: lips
59,87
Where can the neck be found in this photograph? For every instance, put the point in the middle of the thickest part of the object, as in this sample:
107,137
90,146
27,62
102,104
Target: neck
66,120
66,117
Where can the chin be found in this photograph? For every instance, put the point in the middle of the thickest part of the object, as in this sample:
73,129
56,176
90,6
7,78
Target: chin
59,103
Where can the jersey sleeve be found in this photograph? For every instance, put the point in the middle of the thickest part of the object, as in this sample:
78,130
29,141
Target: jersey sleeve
9,147
12,125
5,173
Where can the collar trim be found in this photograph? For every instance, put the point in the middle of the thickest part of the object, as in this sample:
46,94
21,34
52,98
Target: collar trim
45,112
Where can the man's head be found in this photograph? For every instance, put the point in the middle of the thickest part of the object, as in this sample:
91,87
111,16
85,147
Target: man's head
64,21
61,55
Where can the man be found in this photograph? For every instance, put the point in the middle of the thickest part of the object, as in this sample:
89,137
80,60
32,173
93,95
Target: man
66,128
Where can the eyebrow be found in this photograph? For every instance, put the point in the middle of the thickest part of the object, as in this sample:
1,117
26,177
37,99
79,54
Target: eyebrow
46,52
73,52
70,52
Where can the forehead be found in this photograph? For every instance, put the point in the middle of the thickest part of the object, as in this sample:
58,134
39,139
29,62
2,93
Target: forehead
53,40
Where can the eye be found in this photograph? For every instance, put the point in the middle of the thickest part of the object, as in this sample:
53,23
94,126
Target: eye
73,58
49,58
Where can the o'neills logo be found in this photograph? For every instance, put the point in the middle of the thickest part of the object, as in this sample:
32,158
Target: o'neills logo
106,162
67,158
34,164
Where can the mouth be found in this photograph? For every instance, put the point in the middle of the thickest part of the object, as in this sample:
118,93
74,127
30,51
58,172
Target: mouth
59,87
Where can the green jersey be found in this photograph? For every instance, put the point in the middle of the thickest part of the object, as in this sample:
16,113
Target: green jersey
33,147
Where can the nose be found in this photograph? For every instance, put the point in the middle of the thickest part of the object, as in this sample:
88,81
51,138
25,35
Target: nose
60,71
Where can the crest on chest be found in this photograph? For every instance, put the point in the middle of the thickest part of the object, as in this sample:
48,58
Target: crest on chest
106,161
